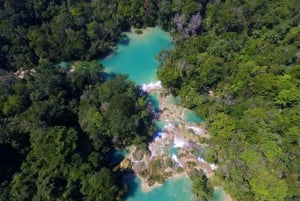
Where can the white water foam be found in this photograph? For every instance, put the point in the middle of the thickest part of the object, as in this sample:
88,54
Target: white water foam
169,127
151,86
197,130
175,159
213,166
179,142
152,152
201,160
159,135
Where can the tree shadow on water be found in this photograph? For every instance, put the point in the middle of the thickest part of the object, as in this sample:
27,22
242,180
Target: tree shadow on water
129,178
108,75
115,156
124,40
111,75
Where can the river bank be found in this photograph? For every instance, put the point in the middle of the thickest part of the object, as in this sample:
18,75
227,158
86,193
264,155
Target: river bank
175,150
147,188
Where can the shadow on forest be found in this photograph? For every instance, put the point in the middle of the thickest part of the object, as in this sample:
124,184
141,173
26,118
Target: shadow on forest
10,161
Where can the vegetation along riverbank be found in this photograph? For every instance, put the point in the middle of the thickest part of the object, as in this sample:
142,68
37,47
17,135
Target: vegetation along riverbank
234,63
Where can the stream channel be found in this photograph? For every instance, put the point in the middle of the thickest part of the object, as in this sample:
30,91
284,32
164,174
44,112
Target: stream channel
136,56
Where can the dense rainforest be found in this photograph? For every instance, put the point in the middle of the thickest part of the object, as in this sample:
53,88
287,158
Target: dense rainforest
242,73
59,130
236,63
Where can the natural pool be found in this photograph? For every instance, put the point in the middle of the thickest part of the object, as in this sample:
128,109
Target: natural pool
178,189
116,156
137,57
160,124
153,98
219,194
192,117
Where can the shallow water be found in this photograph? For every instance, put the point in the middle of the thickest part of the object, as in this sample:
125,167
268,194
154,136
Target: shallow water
64,64
219,194
153,98
173,151
160,124
137,57
192,117
117,156
178,189
173,100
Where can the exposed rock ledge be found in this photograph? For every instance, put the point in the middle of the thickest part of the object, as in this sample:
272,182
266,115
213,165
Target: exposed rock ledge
178,135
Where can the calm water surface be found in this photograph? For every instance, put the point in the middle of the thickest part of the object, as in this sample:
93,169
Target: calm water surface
192,117
219,194
137,56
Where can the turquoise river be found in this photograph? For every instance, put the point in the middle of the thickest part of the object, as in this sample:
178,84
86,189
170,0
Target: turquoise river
136,57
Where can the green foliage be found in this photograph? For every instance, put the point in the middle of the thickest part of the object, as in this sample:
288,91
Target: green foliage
201,187
63,31
59,129
263,181
223,126
251,158
13,105
100,186
288,97
86,73
51,154
114,110
242,74
156,164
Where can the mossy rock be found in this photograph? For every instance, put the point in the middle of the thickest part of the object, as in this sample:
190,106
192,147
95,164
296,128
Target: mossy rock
191,164
156,165
169,163
180,170
144,173
138,31
156,178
